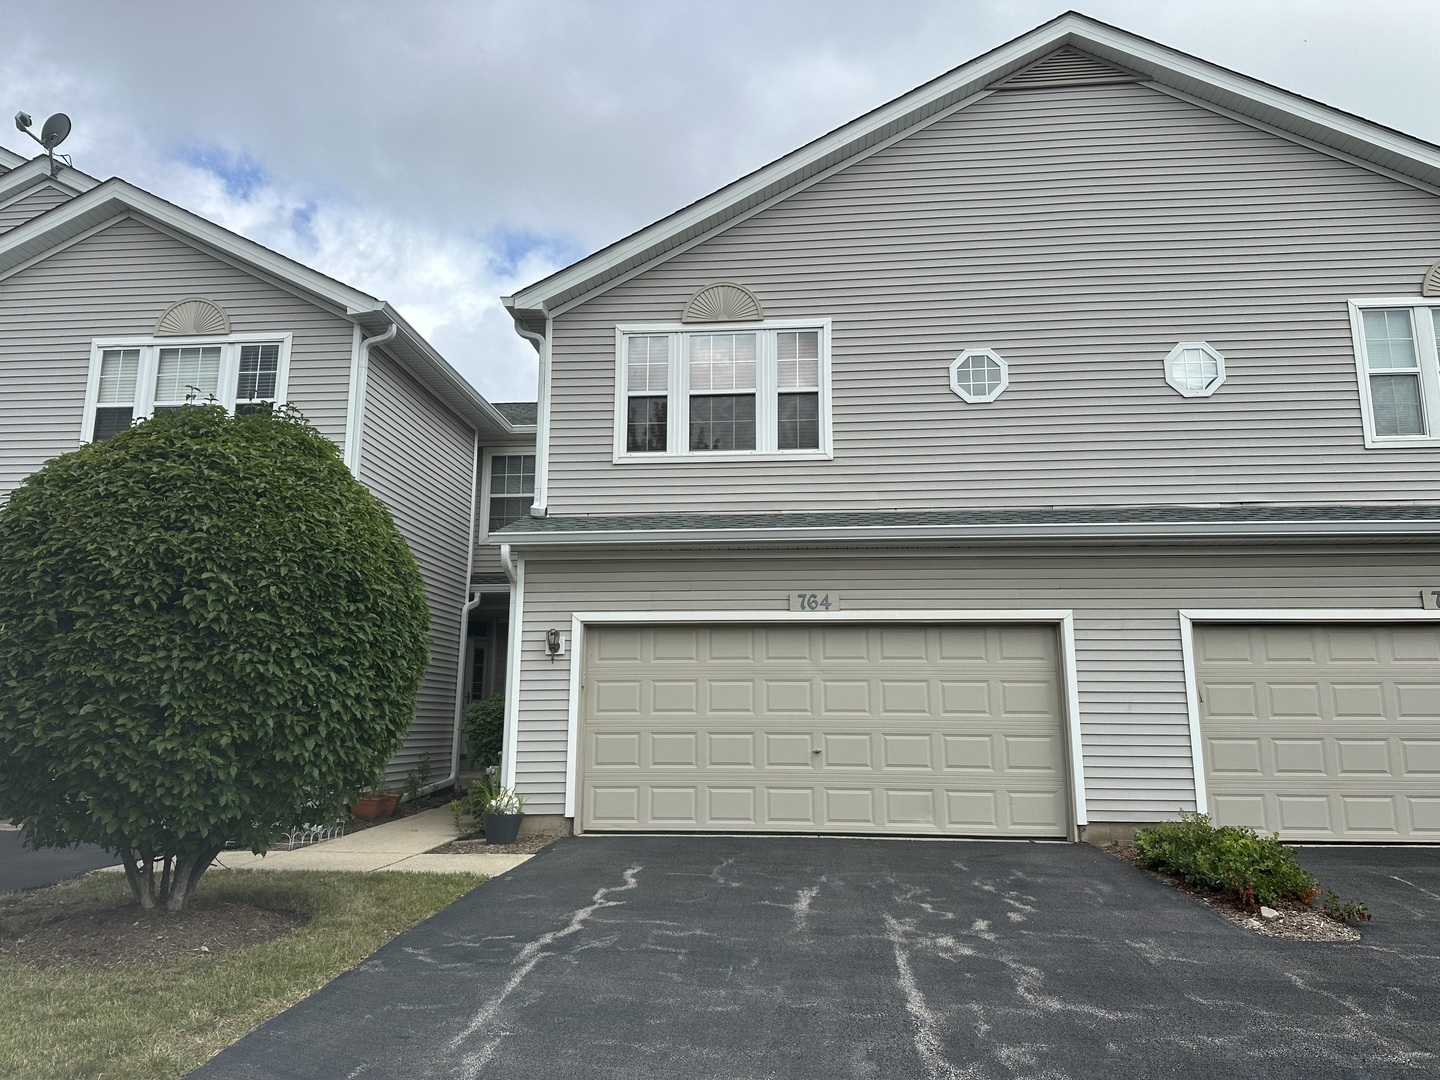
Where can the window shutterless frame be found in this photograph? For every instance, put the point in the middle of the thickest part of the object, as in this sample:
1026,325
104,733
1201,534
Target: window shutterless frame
1426,370
486,469
149,348
677,393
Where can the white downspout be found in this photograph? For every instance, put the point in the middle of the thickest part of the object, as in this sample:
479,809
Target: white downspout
465,609
542,417
512,671
359,380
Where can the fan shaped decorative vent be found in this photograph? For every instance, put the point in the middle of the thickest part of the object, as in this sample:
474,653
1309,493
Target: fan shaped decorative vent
193,316
1065,67
1431,285
723,301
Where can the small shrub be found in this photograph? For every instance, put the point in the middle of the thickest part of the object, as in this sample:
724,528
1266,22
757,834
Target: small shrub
486,796
1225,859
484,727
417,780
1344,910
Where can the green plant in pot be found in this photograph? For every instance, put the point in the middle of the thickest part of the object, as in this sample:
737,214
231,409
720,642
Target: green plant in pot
377,802
499,810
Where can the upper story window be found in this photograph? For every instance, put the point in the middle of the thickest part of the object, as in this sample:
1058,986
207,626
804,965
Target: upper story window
748,391
1399,370
510,489
979,375
133,379
1194,369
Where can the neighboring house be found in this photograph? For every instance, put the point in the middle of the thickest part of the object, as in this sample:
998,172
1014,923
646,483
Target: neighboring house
1051,450
114,303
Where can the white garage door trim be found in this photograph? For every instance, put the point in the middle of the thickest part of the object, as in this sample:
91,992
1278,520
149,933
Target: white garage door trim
1190,616
1064,620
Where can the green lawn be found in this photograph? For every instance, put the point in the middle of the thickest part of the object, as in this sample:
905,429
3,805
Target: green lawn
150,1021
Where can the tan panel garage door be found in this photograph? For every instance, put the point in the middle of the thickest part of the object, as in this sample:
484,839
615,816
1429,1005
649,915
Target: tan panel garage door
840,728
1323,732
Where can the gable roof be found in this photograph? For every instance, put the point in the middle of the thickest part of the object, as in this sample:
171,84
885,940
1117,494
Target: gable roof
1083,43
36,171
105,203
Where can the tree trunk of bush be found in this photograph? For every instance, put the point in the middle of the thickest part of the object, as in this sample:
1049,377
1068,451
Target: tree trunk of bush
177,878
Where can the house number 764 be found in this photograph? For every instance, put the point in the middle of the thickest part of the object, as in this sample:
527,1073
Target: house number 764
814,601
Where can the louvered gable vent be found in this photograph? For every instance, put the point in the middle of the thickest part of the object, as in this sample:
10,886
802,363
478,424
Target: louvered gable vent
1431,285
1065,67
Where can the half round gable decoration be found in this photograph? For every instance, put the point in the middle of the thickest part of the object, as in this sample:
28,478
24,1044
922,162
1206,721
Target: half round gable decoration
724,301
1431,284
193,316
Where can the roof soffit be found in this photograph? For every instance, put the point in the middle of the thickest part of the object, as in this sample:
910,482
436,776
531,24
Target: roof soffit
1158,65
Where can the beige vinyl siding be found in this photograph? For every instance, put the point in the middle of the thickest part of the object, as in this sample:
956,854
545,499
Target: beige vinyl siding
117,283
1081,232
1135,735
32,205
418,458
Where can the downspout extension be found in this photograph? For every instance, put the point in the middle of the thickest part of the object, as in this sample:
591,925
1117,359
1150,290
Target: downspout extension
362,375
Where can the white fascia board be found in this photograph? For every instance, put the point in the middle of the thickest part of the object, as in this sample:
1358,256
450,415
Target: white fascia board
35,170
1099,532
838,144
121,194
1207,83
11,160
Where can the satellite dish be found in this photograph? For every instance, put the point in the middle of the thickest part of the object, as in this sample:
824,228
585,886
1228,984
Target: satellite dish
55,131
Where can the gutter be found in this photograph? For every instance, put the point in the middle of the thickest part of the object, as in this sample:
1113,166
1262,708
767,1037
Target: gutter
1098,532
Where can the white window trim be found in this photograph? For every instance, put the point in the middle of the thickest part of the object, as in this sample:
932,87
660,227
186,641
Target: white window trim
1429,359
1208,350
766,393
150,346
494,452
966,395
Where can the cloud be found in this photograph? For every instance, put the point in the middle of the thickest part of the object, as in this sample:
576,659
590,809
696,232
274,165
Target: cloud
441,154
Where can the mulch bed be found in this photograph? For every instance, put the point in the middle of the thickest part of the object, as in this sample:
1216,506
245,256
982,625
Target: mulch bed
475,844
124,935
1296,921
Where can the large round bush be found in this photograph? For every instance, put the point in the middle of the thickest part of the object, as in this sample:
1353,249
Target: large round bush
209,632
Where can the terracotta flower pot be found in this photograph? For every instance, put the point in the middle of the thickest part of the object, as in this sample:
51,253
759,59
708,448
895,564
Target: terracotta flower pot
376,806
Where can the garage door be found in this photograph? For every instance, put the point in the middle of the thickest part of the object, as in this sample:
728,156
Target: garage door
856,729
1323,732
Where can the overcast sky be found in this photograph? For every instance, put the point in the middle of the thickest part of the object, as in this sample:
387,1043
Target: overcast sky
440,155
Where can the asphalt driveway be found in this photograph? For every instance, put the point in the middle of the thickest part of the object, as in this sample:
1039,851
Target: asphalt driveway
807,958
25,868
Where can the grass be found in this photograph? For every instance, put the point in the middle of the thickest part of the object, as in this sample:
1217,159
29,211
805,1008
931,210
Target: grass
149,1021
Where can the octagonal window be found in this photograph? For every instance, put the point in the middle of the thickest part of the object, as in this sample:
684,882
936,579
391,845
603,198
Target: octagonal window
1194,369
979,375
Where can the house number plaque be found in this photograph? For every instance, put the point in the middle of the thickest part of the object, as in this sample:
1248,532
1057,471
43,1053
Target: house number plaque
815,601
1429,598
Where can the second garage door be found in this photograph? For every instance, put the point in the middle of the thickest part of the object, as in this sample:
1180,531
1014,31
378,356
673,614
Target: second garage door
900,729
1322,732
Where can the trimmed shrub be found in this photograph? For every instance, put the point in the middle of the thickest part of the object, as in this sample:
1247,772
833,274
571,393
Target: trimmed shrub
1225,859
209,632
484,727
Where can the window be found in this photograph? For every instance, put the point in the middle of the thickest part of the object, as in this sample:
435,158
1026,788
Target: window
1398,369
743,392
979,375
1194,369
131,380
511,489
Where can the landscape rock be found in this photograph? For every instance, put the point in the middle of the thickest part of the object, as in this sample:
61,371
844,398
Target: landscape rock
1269,913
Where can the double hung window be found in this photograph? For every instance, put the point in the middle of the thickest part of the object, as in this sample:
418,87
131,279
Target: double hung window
510,489
133,380
734,391
1399,370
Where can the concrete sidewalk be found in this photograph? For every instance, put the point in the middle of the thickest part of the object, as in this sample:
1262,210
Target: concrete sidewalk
396,845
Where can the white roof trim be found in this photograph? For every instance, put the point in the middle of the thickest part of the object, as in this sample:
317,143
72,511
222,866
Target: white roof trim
1361,140
36,171
10,159
25,243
